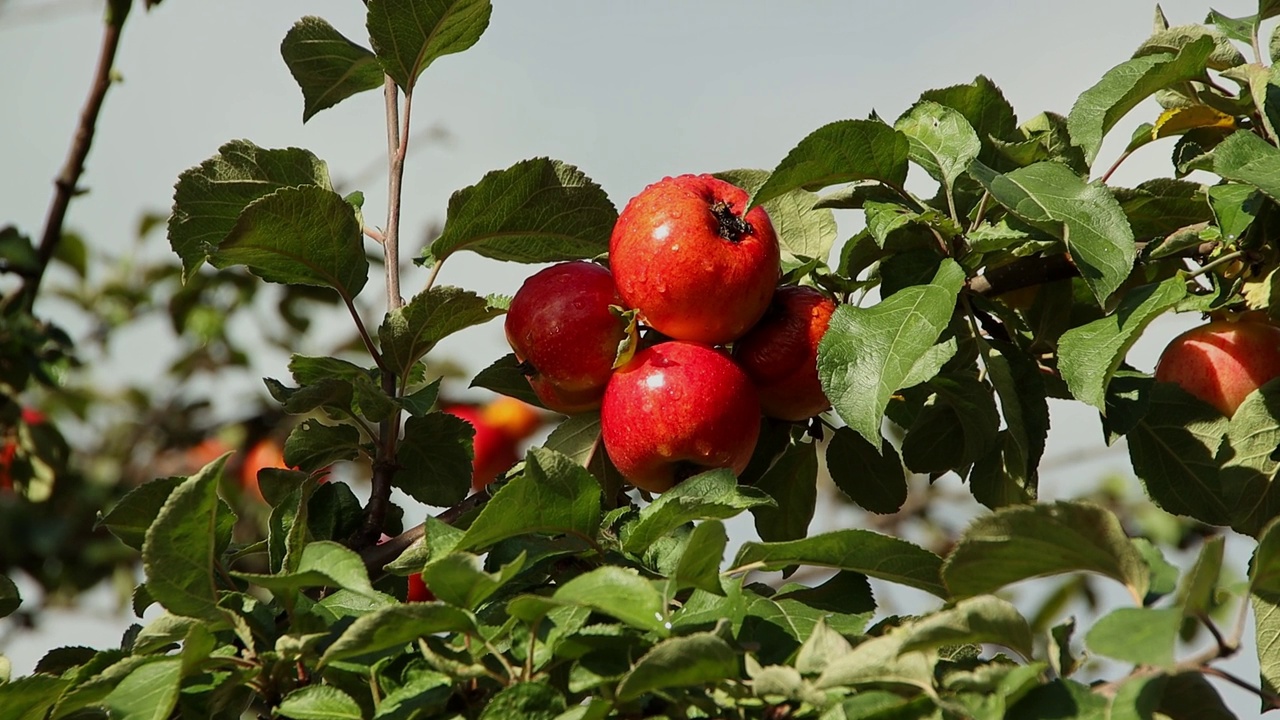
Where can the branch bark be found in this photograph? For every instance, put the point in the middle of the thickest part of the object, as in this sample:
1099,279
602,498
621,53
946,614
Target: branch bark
377,556
65,185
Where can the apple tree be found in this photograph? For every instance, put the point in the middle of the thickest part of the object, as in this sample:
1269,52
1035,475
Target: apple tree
562,590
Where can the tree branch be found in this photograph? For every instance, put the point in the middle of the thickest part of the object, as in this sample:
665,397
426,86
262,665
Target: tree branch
1039,270
377,556
65,185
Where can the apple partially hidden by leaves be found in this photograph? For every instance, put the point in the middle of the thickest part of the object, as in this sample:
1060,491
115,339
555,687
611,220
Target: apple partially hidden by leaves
780,354
1223,361
566,328
493,451
676,409
686,257
418,590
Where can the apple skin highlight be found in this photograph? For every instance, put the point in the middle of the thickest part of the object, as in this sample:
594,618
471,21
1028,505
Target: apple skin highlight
1222,362
676,409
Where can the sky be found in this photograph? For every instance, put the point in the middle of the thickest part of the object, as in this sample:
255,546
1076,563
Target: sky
628,92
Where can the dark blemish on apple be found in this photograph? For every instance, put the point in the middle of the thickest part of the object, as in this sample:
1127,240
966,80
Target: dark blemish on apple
731,227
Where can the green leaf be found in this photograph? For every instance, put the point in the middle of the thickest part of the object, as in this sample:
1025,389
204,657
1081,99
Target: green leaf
319,702
505,378
1142,636
869,353
135,512
408,35
394,626
841,152
179,554
409,332
1173,452
1266,614
615,591
327,66
554,496
459,578
1086,216
1170,40
804,229
986,110
972,621
435,459
697,659
1100,107
1163,206
1013,476
874,480
1089,355
1190,696
872,554
941,140
1164,575
536,211
150,692
531,700
1020,542
1234,208
1247,158
699,565
958,424
881,660
299,236
208,198
792,482
712,494
822,647
1199,585
11,599
322,564
312,446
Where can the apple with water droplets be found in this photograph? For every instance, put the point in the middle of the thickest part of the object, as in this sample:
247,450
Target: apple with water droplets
675,410
696,267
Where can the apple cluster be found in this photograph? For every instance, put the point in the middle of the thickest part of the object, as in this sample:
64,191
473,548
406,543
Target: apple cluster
722,343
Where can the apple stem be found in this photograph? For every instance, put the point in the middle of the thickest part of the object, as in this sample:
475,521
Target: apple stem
731,227
527,369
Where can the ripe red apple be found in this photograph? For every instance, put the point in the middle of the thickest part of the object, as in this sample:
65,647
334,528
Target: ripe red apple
1223,361
418,590
683,254
562,328
266,453
676,409
780,354
494,451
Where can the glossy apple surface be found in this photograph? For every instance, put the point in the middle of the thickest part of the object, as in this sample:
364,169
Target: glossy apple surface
683,254
562,329
780,354
1223,361
676,409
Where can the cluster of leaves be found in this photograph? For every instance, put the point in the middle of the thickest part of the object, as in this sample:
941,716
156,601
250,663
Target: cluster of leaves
561,596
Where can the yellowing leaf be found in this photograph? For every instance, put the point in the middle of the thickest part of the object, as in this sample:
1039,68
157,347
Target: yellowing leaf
1177,121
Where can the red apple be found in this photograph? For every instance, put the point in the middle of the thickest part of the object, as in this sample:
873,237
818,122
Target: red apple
683,254
418,590
494,451
1223,361
676,409
514,418
780,354
564,331
266,453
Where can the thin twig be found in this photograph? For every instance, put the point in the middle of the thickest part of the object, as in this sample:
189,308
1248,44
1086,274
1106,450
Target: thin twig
364,334
1271,699
1218,262
397,148
1114,166
65,183
373,234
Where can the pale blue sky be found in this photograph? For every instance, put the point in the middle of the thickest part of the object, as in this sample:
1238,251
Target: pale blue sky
627,91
